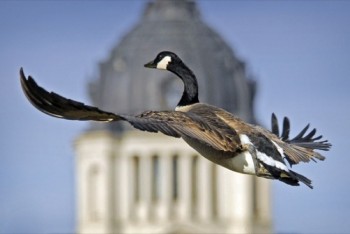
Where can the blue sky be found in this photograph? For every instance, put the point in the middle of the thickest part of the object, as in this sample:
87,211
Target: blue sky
298,51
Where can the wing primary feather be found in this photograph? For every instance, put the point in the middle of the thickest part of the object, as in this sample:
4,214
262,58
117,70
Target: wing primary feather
309,136
58,106
274,125
302,146
301,134
286,129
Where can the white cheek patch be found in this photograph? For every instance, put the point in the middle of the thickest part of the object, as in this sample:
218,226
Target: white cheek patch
162,64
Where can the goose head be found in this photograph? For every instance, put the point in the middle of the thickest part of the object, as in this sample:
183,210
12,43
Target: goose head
165,60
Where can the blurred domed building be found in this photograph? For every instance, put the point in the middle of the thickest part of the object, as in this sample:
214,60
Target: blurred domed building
129,181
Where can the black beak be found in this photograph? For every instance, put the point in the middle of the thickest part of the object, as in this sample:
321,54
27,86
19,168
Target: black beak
151,64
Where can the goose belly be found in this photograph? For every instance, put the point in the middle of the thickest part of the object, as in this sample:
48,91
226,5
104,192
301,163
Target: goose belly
242,163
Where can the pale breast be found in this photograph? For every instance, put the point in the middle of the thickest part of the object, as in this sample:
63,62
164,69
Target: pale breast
242,163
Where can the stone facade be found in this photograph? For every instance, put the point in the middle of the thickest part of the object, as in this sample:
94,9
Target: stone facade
148,183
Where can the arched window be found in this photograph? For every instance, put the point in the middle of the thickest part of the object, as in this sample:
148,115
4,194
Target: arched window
256,212
155,178
175,168
194,182
214,190
136,182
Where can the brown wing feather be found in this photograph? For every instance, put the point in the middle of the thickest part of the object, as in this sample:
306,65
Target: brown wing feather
171,123
181,124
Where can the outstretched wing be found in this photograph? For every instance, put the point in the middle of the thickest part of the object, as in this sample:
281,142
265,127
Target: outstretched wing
303,146
57,106
171,123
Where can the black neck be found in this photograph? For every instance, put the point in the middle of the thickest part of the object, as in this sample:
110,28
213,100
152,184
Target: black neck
190,94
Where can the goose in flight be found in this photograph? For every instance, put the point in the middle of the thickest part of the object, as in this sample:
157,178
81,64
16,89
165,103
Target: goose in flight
213,132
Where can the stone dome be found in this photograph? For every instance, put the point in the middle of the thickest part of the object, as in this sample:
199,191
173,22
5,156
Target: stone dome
125,86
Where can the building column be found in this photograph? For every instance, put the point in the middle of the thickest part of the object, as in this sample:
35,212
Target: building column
123,195
242,209
226,188
204,189
165,187
184,186
95,161
263,202
145,187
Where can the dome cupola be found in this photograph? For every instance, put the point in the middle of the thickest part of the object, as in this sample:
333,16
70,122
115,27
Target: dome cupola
125,86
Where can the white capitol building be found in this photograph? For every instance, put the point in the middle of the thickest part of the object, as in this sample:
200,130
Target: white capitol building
129,181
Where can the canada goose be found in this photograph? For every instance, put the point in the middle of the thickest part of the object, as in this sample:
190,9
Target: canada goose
213,132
